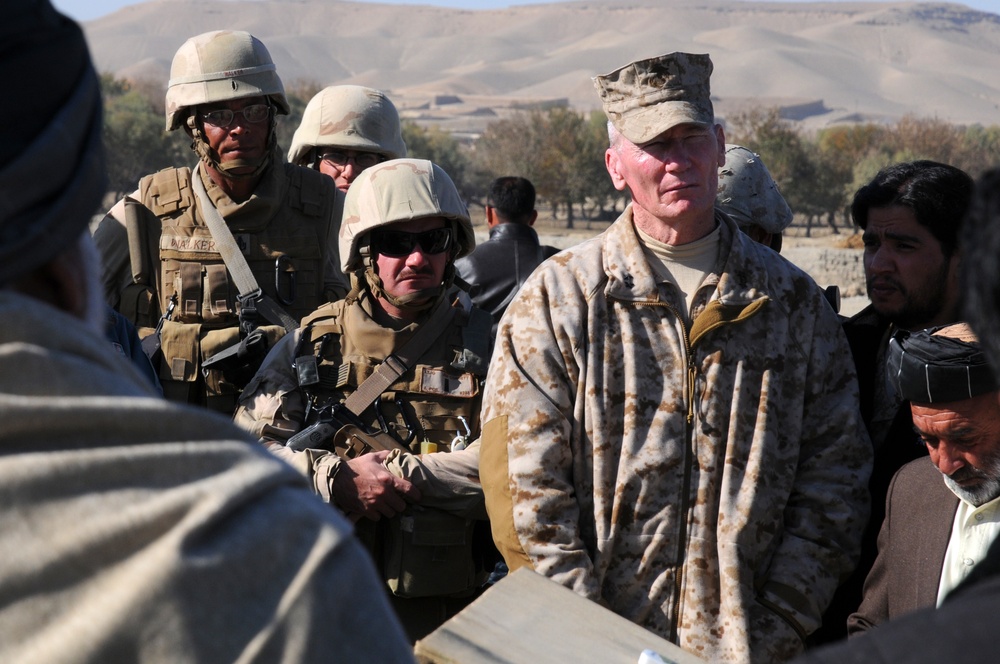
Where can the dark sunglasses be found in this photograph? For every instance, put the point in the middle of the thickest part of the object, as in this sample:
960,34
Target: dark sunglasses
401,243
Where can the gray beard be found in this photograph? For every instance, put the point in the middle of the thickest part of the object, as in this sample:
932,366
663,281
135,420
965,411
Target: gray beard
988,488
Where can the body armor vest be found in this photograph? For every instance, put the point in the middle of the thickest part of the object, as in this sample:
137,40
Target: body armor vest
437,401
282,231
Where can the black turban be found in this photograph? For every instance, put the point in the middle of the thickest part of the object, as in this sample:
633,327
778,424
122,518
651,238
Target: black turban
930,367
52,174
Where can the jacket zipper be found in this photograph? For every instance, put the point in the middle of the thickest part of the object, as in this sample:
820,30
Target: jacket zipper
692,374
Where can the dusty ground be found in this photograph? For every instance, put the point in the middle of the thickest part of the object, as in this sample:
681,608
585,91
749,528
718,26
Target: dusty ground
831,259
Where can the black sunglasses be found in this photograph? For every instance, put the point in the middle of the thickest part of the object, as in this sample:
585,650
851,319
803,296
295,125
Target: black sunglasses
401,243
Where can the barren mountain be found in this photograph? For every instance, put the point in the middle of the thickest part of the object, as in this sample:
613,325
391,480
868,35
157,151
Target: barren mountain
821,63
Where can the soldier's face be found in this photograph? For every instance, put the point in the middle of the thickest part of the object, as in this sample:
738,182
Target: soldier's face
674,177
419,269
963,440
345,165
242,140
909,279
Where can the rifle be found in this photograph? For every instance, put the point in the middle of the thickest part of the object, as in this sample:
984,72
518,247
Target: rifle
240,362
339,430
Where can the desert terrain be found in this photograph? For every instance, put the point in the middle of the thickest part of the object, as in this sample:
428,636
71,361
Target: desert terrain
820,63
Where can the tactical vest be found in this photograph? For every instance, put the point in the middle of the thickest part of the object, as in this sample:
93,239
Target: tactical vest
283,236
437,401
433,407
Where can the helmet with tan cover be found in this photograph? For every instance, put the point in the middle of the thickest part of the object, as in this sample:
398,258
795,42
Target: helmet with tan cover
748,193
400,190
348,116
222,65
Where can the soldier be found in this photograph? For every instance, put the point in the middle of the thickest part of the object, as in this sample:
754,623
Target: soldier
240,247
670,421
392,369
346,129
749,195
134,530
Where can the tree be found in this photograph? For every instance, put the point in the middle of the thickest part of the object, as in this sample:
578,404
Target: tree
440,147
298,95
134,137
559,150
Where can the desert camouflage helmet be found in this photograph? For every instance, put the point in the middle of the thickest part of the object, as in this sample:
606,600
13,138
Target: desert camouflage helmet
352,117
748,193
400,190
221,66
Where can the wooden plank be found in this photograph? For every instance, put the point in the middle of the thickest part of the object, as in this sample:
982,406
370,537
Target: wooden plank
528,619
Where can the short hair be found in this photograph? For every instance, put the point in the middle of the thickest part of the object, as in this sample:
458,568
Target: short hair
513,198
980,266
938,195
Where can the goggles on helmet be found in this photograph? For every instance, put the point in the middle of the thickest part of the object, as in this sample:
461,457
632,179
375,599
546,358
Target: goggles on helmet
397,244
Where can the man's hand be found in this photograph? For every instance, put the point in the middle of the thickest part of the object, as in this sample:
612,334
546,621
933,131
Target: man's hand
364,488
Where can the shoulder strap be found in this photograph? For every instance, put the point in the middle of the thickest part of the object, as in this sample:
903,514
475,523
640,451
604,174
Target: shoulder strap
235,262
399,363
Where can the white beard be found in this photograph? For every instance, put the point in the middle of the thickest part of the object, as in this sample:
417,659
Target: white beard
986,490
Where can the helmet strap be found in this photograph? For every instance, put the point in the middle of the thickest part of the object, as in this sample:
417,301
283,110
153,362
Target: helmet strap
201,148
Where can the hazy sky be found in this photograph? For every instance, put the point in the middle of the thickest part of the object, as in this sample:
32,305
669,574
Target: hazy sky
83,10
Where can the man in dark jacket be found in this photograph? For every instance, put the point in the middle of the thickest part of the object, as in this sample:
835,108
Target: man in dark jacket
910,215
498,267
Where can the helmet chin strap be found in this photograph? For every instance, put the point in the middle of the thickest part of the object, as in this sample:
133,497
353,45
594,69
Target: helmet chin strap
207,155
416,302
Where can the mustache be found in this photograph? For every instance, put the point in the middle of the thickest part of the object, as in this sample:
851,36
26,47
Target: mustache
966,473
883,281
408,272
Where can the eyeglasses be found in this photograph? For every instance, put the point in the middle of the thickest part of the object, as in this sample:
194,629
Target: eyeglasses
341,158
223,117
400,243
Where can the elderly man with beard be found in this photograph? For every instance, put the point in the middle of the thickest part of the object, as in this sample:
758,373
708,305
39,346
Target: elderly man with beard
936,531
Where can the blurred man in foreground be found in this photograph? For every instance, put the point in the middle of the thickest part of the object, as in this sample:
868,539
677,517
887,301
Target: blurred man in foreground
132,529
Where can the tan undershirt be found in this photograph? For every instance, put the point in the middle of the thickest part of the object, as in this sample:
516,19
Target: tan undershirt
685,266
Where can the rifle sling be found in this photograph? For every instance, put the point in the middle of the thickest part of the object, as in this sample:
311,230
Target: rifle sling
236,263
398,363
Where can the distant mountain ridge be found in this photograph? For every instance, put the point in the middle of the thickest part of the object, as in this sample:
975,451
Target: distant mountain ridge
822,63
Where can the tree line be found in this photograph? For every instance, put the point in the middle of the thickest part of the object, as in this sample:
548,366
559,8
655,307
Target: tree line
562,152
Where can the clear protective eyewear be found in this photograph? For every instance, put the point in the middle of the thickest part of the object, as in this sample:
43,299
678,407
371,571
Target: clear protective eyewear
341,158
397,244
223,117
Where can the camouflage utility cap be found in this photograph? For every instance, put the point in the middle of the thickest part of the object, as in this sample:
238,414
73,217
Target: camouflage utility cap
217,66
352,117
748,194
643,99
400,190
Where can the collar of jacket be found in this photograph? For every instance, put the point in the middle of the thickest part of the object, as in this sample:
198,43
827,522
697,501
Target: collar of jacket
510,231
740,274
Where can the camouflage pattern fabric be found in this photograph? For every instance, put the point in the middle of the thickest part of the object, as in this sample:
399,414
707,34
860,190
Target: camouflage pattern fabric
709,484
